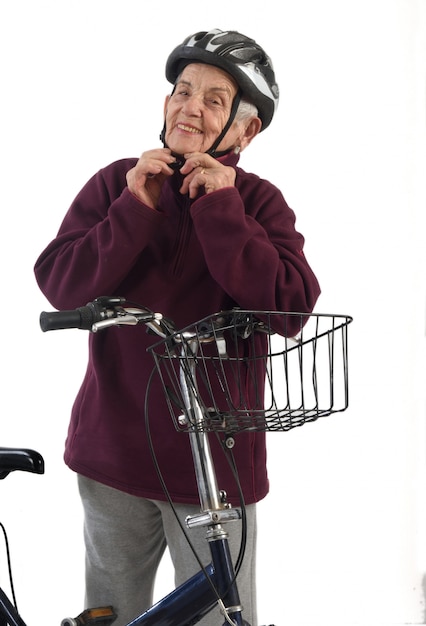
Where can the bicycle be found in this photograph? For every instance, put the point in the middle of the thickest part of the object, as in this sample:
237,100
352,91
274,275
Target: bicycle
230,372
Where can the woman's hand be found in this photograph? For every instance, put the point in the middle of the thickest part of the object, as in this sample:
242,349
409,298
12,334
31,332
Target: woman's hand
146,179
202,170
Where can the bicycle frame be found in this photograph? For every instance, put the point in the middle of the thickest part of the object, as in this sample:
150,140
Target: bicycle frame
8,613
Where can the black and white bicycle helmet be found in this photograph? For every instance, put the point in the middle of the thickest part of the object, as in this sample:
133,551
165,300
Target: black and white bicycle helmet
238,55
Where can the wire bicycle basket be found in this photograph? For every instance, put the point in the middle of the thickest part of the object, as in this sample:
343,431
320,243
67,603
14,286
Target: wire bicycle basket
255,370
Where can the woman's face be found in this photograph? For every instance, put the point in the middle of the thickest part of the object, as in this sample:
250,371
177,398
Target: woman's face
198,110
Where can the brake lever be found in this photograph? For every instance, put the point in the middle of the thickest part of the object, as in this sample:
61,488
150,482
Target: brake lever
122,320
133,317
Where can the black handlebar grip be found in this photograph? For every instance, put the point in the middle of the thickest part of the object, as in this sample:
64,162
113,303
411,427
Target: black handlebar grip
83,318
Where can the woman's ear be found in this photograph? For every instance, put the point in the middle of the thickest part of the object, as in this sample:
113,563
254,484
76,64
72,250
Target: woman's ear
252,129
166,102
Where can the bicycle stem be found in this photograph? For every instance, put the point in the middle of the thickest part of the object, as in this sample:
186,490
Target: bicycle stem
214,508
208,490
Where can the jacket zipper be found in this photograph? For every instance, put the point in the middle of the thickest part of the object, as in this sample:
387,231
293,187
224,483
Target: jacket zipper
182,239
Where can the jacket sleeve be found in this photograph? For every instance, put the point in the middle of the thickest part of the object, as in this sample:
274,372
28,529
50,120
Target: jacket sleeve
104,231
253,250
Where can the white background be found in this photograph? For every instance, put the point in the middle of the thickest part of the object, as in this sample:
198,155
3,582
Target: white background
343,531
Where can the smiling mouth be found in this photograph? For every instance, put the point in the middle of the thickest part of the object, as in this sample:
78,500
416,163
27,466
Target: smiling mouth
189,129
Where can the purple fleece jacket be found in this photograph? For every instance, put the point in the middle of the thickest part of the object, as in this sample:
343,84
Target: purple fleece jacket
234,247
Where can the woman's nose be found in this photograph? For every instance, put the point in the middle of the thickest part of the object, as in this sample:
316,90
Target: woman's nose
193,106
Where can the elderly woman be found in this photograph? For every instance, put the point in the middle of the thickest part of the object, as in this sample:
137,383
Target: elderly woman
184,231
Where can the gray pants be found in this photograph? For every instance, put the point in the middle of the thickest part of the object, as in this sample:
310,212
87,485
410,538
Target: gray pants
125,538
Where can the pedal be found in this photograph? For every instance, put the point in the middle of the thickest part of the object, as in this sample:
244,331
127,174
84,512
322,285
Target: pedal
100,616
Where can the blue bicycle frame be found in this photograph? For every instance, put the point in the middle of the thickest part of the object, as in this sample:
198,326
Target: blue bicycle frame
195,598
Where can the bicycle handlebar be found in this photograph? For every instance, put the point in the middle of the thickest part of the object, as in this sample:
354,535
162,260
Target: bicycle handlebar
104,312
107,311
83,317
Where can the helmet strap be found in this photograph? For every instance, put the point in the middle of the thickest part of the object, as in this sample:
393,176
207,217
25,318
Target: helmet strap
212,150
163,132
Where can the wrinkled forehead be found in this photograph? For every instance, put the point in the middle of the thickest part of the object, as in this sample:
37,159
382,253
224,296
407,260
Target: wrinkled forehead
208,77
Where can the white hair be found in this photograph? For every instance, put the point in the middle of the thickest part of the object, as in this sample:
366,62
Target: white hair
245,111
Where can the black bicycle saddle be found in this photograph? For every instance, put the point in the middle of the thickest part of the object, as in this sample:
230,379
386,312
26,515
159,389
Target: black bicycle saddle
24,459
